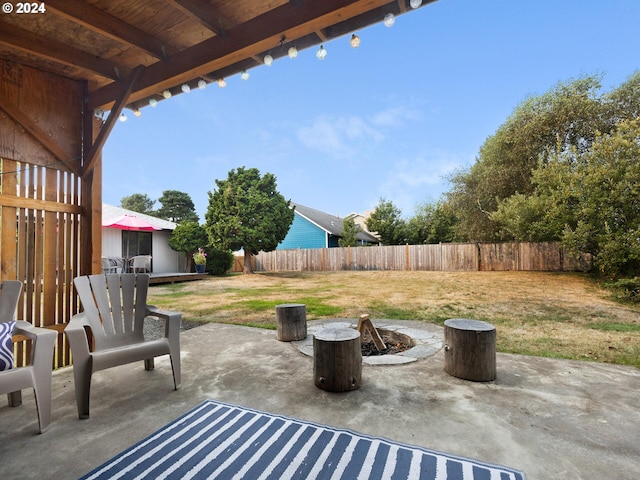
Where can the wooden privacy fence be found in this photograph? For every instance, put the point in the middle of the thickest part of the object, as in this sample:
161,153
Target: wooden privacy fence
544,257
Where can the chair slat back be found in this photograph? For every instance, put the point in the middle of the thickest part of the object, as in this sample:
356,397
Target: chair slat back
9,296
115,306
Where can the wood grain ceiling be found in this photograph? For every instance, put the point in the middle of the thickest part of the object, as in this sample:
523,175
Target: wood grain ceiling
166,43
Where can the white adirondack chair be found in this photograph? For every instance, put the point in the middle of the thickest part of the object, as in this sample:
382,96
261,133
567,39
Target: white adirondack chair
37,374
115,308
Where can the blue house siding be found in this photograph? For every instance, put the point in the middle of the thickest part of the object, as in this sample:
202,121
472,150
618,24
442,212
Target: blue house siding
303,234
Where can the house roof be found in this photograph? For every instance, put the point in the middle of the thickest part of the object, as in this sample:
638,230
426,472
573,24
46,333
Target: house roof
110,213
329,223
133,50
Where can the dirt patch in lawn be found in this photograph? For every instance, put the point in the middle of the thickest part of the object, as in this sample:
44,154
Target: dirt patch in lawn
551,314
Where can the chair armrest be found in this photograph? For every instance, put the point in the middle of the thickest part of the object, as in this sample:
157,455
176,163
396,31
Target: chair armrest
172,320
44,341
77,336
31,332
171,317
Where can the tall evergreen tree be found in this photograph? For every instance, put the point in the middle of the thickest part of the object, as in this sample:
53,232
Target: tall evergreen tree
177,207
247,212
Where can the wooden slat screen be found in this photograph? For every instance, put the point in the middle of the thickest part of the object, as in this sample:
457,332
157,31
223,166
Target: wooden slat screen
40,234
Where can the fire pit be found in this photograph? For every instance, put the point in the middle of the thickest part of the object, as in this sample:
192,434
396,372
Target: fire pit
417,340
395,342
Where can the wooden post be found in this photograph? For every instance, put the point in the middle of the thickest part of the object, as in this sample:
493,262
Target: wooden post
291,320
470,349
337,359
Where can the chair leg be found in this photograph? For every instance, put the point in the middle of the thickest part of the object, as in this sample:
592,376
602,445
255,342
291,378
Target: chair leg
82,379
14,398
149,364
175,366
42,392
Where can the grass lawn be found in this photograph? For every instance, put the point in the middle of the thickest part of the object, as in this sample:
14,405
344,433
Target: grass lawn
561,315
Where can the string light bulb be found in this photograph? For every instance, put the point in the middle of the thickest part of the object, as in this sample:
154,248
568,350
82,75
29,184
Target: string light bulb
415,3
122,117
244,75
202,84
185,88
321,53
166,94
389,20
268,59
355,41
293,52
153,102
222,82
137,112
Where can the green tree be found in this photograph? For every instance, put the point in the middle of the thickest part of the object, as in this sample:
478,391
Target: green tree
386,221
589,200
623,103
138,202
177,207
432,223
187,238
349,233
247,212
606,182
566,120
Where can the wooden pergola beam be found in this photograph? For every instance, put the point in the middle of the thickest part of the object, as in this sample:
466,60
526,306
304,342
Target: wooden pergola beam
203,12
96,148
59,52
241,42
40,135
98,21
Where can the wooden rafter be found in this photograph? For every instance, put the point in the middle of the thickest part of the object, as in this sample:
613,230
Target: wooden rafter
99,21
40,135
321,36
108,125
51,49
204,13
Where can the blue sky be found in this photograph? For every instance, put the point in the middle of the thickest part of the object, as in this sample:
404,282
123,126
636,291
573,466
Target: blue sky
390,119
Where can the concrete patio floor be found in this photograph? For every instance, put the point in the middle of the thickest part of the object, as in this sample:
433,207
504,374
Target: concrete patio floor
552,419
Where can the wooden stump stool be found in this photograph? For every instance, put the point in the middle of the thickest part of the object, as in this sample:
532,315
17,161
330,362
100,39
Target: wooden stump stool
292,322
337,359
470,349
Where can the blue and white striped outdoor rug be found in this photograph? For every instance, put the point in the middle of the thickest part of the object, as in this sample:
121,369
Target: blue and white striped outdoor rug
222,441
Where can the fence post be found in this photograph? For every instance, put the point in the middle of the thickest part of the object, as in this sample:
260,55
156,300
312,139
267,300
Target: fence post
406,257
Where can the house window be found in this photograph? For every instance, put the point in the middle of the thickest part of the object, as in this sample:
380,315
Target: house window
136,243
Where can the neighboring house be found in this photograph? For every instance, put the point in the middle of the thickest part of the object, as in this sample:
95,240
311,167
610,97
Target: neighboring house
118,243
361,221
312,228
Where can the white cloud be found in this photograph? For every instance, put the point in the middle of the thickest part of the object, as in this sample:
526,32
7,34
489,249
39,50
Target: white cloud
395,116
345,136
410,182
340,137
